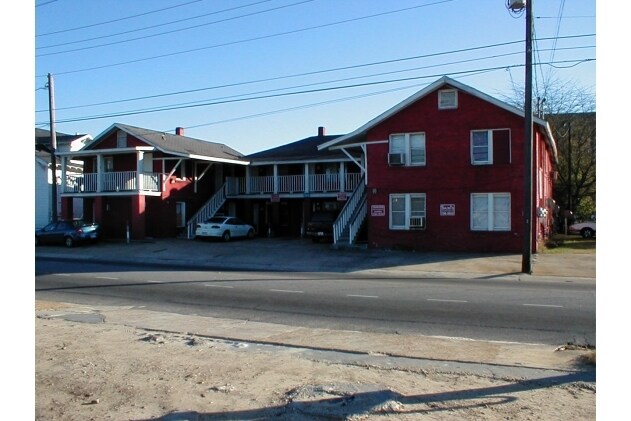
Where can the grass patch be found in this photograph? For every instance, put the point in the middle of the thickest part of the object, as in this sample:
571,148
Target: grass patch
560,244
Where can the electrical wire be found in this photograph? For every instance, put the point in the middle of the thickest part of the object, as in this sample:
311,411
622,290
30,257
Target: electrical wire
116,20
188,28
171,108
279,34
478,59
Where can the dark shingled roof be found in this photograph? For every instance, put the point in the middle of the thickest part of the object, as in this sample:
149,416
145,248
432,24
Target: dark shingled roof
301,150
176,144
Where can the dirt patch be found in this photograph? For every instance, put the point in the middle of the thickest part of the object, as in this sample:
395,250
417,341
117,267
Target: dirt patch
88,371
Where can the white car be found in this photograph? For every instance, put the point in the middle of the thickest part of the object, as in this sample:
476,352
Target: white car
585,229
224,227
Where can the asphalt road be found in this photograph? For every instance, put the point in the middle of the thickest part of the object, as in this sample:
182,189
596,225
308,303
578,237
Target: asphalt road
533,312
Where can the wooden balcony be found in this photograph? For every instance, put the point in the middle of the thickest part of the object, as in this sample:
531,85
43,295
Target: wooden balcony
111,182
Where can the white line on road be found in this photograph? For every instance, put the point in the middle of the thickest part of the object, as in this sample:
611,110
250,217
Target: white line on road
362,296
218,286
154,282
287,290
447,301
107,277
542,305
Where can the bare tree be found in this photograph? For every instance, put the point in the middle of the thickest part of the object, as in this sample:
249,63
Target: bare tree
570,110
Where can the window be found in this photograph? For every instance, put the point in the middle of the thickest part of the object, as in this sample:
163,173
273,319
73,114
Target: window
121,139
407,211
410,147
447,99
490,212
490,147
109,163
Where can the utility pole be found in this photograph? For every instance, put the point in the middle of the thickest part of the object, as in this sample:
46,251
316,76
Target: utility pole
526,261
53,147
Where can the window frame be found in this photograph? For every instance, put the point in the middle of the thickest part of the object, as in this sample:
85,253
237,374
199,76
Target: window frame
407,145
491,212
489,147
407,211
448,106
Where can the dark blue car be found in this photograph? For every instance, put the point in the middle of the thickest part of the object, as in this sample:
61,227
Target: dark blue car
68,233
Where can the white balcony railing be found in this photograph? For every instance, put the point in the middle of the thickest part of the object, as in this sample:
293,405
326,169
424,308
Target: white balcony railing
313,183
123,181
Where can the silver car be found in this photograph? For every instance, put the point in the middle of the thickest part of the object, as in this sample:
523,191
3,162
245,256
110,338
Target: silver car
224,227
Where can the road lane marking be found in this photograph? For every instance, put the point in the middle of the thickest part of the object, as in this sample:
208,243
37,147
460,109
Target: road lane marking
362,296
107,277
447,301
218,286
542,305
287,290
154,282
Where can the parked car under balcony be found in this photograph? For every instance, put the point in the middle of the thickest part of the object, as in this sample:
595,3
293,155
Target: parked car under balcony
225,228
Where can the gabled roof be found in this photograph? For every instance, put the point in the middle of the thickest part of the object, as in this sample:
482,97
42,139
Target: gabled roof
65,142
174,144
358,135
303,150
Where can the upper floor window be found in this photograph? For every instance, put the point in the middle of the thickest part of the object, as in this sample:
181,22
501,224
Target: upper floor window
490,211
407,211
447,99
490,147
407,149
121,139
108,162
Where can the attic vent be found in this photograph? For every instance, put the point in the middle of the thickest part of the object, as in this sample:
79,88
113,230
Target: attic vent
121,139
447,99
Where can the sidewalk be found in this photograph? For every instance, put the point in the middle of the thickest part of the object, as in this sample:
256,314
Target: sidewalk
301,255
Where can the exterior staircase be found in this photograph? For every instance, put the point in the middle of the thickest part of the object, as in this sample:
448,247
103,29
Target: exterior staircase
350,220
209,209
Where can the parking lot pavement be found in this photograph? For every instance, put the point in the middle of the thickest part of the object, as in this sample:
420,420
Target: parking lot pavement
302,255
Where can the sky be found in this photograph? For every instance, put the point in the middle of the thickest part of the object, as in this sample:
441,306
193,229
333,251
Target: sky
256,74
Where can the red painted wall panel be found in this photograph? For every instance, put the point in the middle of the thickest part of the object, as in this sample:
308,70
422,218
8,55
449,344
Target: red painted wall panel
448,176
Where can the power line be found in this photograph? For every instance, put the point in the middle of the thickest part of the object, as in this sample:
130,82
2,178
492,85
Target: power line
117,20
188,28
303,85
279,34
311,73
172,108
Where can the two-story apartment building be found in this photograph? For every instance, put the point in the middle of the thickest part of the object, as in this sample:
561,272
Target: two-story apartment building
442,170
445,171
140,183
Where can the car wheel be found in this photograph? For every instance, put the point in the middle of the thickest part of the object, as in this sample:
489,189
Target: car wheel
587,233
69,242
226,236
250,234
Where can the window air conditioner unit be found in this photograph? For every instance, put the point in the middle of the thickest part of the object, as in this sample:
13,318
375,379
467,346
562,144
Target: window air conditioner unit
396,158
417,222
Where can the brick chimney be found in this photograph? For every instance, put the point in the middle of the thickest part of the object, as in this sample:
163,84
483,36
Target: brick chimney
179,131
321,131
